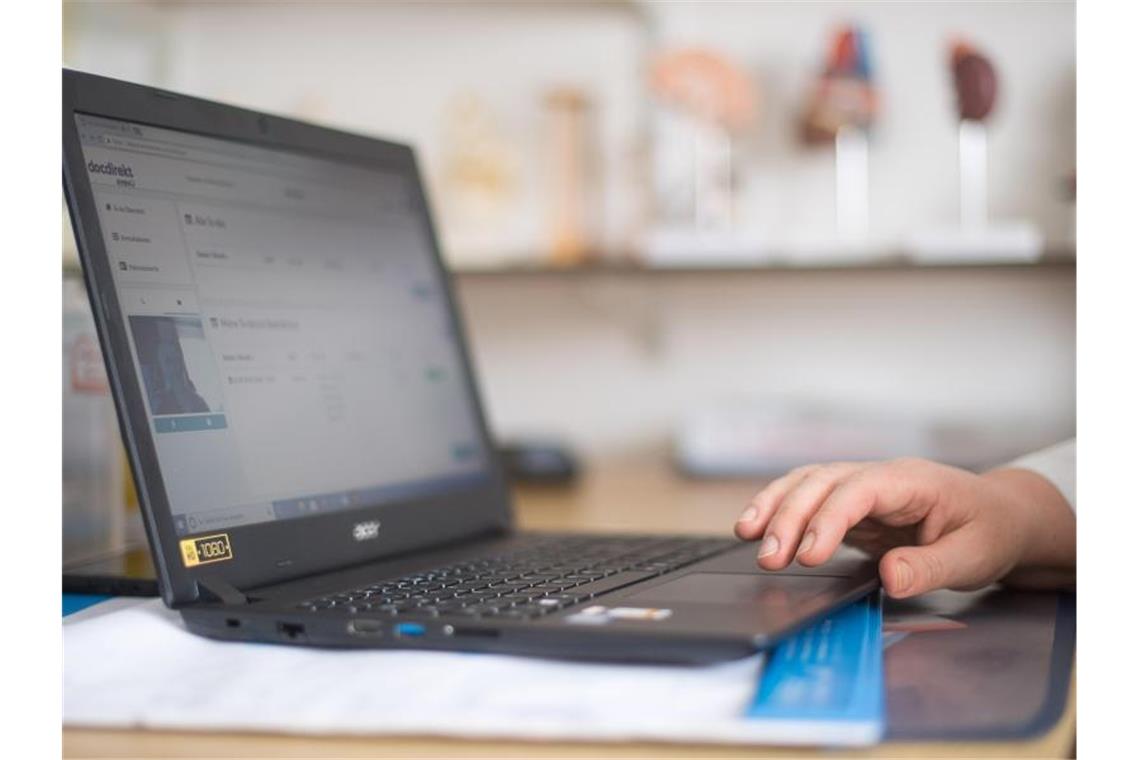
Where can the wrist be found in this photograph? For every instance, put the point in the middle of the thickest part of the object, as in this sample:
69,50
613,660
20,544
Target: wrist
1043,518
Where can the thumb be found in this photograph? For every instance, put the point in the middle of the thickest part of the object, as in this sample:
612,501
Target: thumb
956,560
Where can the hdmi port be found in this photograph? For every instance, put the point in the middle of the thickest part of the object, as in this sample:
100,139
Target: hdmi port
365,628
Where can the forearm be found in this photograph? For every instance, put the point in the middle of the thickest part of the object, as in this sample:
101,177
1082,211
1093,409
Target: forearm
1048,554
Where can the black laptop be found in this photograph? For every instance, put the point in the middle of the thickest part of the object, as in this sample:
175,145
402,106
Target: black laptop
302,419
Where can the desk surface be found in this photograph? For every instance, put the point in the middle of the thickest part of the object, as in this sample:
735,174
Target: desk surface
635,493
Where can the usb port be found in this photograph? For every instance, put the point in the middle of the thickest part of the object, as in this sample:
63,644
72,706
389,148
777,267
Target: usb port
410,630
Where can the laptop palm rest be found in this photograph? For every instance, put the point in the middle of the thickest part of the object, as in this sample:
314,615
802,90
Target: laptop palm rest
757,603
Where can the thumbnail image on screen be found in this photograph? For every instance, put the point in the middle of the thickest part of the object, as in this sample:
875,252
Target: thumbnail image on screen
175,365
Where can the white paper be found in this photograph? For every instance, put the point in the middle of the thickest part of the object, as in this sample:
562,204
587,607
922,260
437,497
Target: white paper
136,666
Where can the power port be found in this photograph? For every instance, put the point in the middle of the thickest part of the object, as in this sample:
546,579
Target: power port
233,623
291,631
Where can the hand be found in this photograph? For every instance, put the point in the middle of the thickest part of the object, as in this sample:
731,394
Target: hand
931,526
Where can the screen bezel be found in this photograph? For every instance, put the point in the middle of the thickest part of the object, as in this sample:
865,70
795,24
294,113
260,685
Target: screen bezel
280,550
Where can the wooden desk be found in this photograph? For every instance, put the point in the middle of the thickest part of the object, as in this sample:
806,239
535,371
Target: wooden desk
636,493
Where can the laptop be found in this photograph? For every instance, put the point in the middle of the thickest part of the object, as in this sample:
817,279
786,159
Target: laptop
300,412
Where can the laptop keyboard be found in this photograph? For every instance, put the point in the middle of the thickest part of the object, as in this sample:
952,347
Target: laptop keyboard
525,583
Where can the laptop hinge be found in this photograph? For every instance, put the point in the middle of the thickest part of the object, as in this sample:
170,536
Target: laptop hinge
222,589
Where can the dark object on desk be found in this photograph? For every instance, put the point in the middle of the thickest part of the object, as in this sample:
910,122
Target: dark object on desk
535,463
126,573
981,666
351,501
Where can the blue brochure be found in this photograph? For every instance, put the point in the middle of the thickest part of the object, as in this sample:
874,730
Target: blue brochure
828,679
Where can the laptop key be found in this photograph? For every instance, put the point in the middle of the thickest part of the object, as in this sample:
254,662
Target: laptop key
562,600
462,611
513,614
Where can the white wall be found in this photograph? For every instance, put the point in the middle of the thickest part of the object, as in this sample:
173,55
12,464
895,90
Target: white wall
616,363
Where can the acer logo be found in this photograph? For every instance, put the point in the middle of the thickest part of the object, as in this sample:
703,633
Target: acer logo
366,531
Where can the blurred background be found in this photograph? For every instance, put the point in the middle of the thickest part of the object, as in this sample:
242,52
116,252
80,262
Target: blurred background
732,237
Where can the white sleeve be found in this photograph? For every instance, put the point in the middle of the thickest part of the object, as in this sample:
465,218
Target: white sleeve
1058,465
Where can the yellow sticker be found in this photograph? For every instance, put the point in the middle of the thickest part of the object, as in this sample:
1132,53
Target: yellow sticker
202,551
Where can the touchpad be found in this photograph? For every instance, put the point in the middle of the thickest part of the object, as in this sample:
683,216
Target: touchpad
757,603
743,590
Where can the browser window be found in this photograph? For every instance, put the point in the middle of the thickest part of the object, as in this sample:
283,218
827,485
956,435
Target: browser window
287,323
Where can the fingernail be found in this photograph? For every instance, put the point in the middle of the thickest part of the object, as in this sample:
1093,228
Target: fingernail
749,515
769,546
807,543
904,574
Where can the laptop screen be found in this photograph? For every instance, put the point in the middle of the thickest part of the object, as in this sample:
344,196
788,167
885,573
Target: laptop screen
288,325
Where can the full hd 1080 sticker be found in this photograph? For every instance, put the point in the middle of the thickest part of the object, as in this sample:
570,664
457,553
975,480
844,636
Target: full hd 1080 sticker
206,549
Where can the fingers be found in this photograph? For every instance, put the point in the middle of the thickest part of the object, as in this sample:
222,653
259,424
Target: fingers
806,514
959,559
750,525
785,536
891,492
876,539
921,517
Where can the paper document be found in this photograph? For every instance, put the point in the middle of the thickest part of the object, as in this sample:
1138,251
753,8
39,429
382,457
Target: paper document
136,665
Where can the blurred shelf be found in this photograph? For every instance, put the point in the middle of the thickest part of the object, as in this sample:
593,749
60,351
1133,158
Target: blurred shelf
1059,260
1055,260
